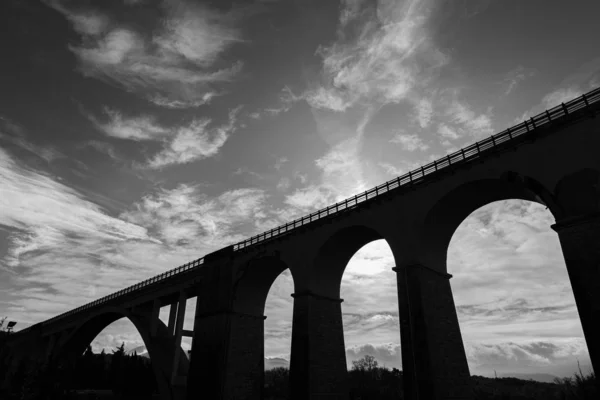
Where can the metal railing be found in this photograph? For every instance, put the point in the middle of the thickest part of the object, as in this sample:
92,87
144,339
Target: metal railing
418,175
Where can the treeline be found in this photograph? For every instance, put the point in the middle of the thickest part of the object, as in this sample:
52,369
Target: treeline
369,381
128,376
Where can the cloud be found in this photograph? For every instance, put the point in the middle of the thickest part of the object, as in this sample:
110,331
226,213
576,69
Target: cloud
176,65
133,128
387,354
424,109
183,144
471,123
341,173
280,162
515,77
447,132
406,165
58,242
327,99
177,104
382,52
286,100
195,142
183,215
84,22
409,142
555,357
561,95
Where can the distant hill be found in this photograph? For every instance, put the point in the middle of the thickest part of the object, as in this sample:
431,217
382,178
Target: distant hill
270,363
547,378
275,362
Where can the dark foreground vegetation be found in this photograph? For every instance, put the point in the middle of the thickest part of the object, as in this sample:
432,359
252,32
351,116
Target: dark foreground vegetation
125,376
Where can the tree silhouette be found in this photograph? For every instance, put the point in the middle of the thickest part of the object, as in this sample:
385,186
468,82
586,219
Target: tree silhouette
367,363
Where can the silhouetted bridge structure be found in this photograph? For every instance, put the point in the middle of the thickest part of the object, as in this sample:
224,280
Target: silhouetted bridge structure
552,159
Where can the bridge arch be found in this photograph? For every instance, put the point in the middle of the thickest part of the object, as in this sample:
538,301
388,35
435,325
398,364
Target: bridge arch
332,257
442,220
159,347
254,282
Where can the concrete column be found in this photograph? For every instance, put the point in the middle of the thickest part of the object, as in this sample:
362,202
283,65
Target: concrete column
154,317
580,242
51,345
172,316
177,334
435,361
409,378
318,361
228,356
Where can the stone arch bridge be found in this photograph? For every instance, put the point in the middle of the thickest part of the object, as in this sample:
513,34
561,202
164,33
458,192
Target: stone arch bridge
552,159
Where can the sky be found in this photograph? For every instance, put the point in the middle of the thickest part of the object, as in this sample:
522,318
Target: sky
137,135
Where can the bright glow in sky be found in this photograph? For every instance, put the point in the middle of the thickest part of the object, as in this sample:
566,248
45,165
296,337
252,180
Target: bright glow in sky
138,135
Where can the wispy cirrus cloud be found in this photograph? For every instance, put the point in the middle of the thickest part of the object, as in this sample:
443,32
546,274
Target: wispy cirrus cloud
381,52
447,132
57,242
515,76
69,251
467,121
184,215
176,65
134,128
409,142
195,142
424,110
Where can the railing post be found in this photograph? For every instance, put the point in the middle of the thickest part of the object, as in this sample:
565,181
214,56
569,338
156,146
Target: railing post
533,123
565,109
584,97
509,133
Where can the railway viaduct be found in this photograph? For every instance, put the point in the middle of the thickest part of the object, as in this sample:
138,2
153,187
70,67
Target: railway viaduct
552,159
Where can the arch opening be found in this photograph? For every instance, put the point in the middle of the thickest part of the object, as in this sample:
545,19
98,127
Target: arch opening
355,264
452,209
512,293
262,289
371,321
109,353
279,310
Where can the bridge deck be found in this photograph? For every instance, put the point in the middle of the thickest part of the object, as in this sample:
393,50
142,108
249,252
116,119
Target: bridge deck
579,108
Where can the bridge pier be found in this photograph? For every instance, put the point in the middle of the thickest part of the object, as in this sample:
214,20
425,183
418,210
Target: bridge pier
318,361
580,241
227,356
434,362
